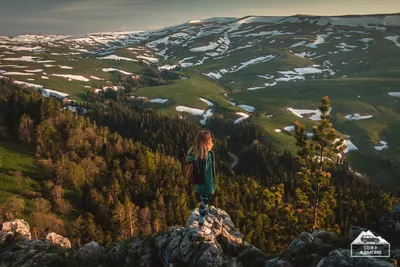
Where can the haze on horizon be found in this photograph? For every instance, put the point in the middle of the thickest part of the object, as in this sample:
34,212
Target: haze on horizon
88,16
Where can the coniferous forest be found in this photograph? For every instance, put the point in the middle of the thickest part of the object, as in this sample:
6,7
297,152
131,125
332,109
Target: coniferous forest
117,172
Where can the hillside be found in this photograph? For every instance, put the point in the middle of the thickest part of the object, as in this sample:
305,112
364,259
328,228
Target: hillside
182,246
276,68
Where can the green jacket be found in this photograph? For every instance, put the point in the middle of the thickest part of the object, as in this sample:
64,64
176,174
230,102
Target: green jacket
209,185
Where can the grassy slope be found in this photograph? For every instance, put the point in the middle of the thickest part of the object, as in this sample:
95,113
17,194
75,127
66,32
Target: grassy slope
17,157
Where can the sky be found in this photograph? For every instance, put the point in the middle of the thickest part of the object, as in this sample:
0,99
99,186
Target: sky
88,16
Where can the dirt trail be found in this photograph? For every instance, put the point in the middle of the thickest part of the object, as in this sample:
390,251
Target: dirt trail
234,163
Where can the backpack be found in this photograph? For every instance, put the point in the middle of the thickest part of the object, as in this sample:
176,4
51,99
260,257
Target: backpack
194,172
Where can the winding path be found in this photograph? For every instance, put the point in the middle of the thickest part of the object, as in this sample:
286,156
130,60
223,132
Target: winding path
234,163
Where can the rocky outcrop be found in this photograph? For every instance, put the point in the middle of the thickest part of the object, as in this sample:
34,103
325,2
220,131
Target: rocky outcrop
390,224
53,239
221,245
91,251
17,229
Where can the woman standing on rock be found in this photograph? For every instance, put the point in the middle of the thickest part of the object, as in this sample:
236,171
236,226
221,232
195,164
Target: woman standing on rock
201,150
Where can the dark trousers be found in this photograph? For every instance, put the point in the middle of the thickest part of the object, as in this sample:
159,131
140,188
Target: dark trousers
203,208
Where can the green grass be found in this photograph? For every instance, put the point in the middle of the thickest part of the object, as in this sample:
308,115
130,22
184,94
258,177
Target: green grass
186,92
18,157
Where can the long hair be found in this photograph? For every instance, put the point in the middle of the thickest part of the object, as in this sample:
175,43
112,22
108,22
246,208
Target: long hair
201,145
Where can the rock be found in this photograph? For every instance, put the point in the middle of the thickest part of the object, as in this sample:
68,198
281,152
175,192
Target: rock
301,241
342,258
15,229
91,251
390,224
53,239
276,262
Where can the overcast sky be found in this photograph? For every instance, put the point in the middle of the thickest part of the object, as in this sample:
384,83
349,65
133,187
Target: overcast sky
85,16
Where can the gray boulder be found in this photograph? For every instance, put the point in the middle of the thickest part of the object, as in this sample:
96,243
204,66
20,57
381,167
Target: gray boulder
91,251
342,258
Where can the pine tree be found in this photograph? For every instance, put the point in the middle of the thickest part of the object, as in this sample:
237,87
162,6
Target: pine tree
315,158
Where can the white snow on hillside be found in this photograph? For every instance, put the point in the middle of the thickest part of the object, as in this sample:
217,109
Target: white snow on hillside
151,59
395,94
168,67
289,128
44,61
357,116
209,103
186,64
254,61
214,75
158,100
49,92
254,88
384,146
394,39
266,76
247,108
96,78
278,130
271,33
345,47
193,111
49,65
72,77
300,112
211,46
242,115
350,146
18,73
14,66
366,40
306,54
36,86
115,57
206,115
114,69
45,77
36,70
23,58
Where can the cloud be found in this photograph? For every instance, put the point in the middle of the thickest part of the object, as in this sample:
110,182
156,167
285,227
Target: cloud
93,6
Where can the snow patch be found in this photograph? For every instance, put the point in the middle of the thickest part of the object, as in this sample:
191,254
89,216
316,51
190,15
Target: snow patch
214,75
209,103
193,111
384,146
17,73
115,57
206,115
158,100
357,116
247,108
316,113
37,70
114,69
394,39
72,77
395,94
242,115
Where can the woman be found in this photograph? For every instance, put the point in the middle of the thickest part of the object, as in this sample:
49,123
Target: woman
201,150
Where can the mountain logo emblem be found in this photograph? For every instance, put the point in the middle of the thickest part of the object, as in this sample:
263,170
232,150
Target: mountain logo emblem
368,245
